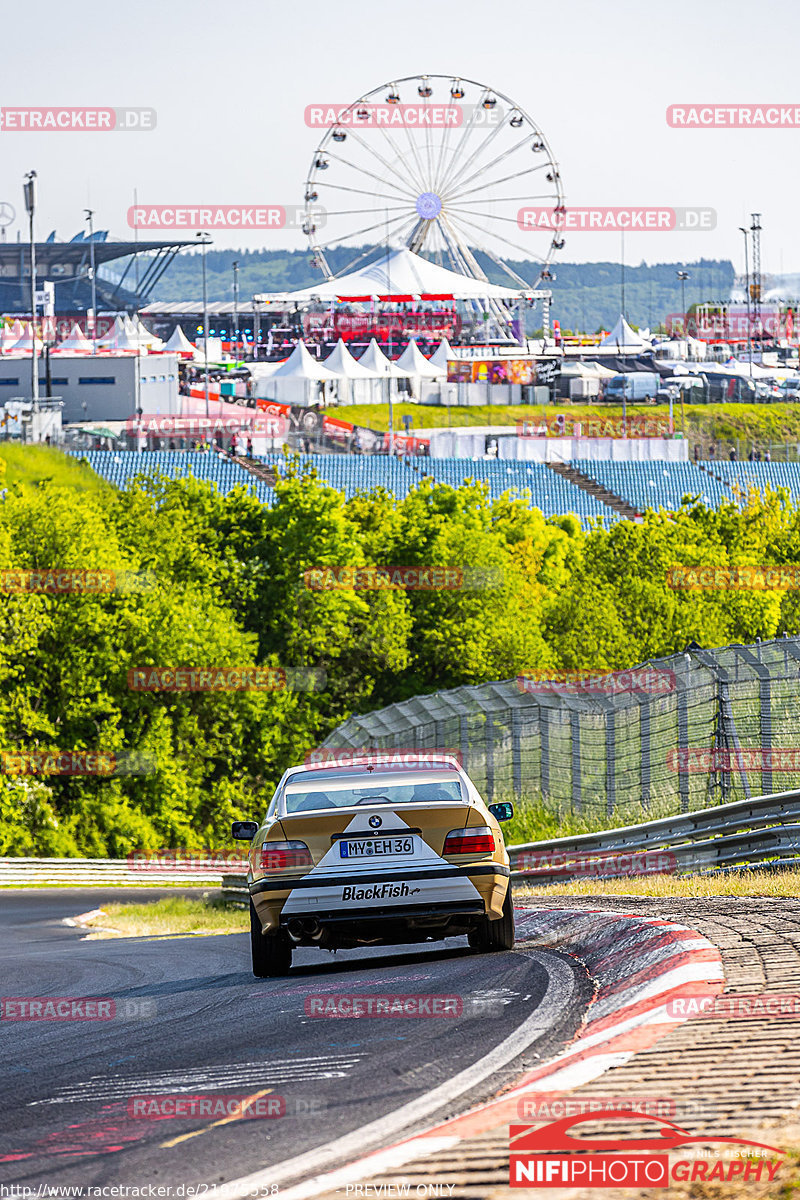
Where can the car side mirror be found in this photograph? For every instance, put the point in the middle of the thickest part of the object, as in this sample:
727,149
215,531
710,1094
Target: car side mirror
503,812
244,831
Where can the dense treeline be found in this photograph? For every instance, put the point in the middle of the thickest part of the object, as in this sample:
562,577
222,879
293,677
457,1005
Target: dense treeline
223,586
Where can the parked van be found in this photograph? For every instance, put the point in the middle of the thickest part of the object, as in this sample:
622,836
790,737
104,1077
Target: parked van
635,385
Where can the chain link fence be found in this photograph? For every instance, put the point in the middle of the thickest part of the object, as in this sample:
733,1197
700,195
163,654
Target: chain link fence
670,736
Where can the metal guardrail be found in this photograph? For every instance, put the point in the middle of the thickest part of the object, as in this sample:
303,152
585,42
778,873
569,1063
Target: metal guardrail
94,872
764,830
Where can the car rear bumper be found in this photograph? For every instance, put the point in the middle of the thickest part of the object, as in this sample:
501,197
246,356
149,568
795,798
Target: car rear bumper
442,896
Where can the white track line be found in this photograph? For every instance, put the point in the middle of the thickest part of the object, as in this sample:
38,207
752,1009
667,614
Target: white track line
559,993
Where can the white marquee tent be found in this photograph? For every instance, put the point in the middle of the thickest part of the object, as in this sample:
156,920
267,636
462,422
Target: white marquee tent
412,359
443,352
25,343
401,277
357,382
77,342
300,379
179,343
623,339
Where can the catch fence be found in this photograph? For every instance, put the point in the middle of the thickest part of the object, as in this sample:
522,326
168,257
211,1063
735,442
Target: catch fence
670,736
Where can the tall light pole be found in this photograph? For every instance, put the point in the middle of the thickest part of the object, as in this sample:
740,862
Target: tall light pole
683,276
204,240
89,216
743,230
236,301
29,188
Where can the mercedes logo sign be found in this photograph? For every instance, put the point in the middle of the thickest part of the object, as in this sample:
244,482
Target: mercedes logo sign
7,213
375,822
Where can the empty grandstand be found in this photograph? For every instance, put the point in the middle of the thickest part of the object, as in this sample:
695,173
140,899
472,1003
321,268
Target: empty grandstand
655,485
740,476
120,467
549,492
641,485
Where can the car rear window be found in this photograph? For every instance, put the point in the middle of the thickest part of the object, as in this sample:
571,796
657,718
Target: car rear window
315,799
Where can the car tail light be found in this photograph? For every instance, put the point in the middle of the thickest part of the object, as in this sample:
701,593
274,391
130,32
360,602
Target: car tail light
479,840
282,856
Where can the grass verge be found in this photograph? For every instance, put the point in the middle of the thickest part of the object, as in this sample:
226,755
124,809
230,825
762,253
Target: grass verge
691,887
209,914
40,466
719,422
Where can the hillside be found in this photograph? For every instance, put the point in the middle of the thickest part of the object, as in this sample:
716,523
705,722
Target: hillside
587,296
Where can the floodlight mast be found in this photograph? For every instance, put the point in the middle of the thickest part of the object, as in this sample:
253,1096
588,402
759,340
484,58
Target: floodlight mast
29,190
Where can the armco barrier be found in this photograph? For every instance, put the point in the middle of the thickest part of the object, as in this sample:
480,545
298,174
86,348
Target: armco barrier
94,872
763,831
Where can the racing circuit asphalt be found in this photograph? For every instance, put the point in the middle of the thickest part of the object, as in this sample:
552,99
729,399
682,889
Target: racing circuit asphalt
207,1026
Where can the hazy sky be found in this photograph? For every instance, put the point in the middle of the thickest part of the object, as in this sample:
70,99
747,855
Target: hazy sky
230,83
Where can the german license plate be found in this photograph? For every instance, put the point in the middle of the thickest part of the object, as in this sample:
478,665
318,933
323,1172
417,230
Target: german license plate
381,847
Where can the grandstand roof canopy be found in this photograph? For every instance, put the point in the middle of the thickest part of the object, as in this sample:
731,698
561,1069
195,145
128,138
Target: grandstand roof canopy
49,254
400,277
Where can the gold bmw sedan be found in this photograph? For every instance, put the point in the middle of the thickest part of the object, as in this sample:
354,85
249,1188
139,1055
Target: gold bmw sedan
375,854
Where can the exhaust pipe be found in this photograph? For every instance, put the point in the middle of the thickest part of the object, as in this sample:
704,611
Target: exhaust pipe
304,927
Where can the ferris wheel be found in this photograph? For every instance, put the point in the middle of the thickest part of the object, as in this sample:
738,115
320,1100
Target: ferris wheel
441,165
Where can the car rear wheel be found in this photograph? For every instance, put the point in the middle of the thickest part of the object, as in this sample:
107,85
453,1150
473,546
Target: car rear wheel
495,935
272,952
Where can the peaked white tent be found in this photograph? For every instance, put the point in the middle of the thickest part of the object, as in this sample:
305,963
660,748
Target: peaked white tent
443,352
294,380
141,334
401,276
302,365
123,340
358,384
376,361
413,360
623,339
342,362
77,342
25,343
179,343
8,338
116,330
